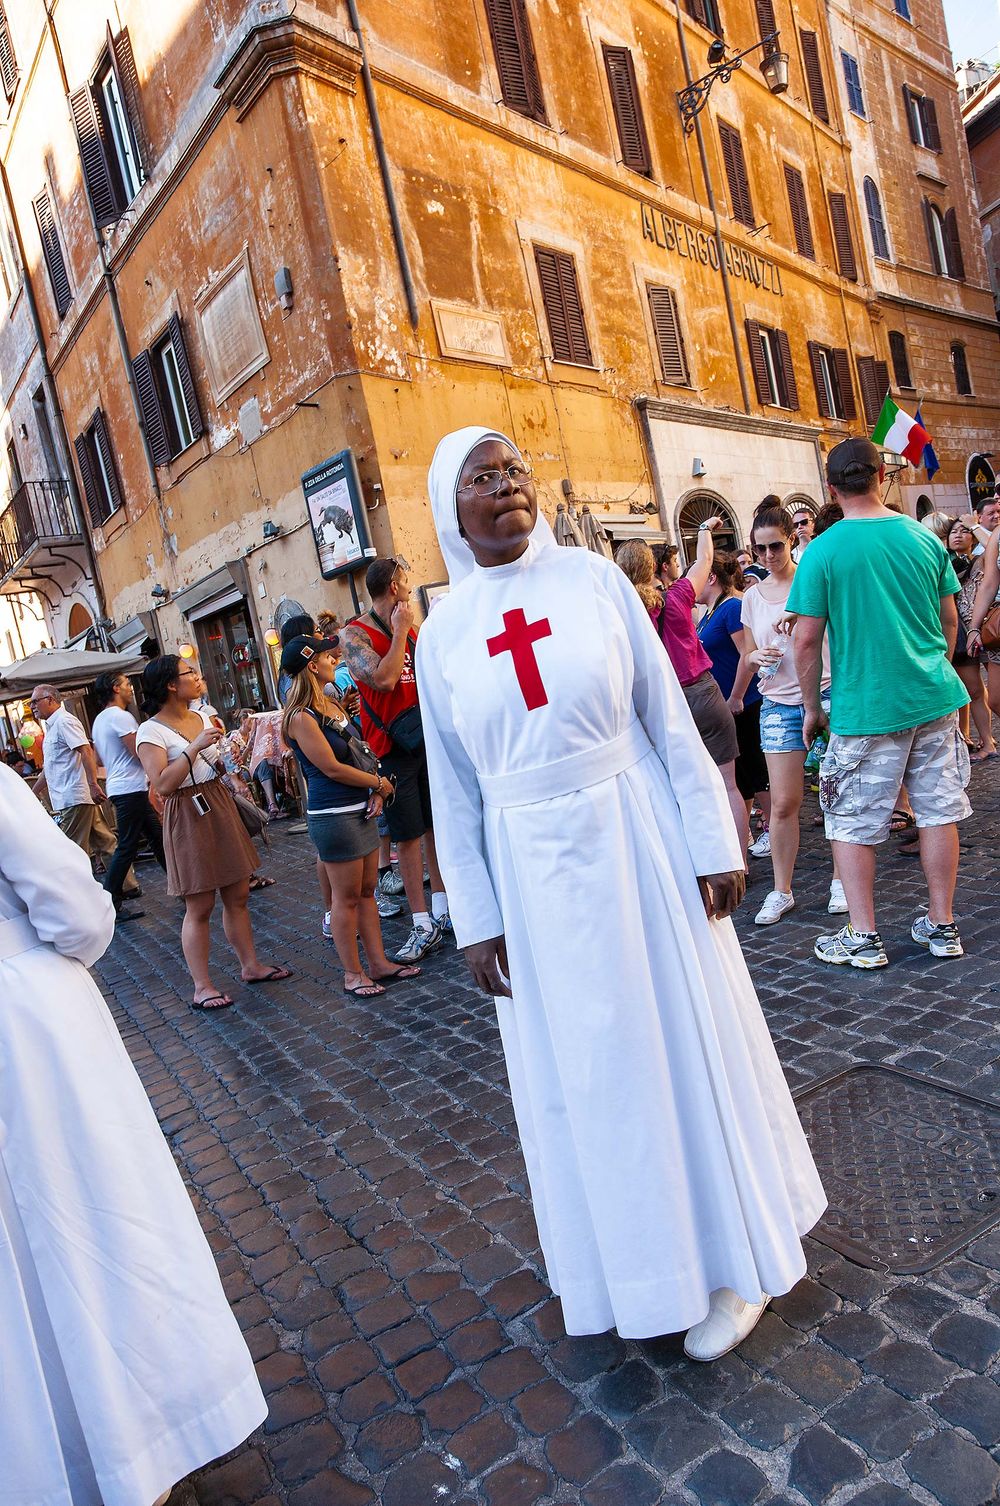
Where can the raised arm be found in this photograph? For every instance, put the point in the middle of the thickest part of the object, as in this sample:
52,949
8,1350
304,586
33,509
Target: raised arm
704,556
366,665
166,777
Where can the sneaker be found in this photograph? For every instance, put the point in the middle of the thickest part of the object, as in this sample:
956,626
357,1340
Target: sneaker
762,847
943,940
385,906
419,943
444,925
390,882
859,948
327,928
774,907
838,900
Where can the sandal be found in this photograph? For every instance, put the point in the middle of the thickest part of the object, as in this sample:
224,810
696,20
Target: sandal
260,882
273,975
401,975
365,991
212,1002
901,821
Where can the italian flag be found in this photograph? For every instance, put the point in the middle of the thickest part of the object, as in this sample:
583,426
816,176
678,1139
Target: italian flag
897,431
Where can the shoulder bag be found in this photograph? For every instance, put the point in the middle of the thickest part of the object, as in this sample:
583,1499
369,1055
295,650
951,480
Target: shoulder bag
989,632
407,729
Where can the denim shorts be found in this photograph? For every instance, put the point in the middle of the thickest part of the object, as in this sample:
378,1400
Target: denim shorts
781,726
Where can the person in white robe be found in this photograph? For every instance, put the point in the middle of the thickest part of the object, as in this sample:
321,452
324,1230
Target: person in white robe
122,1368
589,849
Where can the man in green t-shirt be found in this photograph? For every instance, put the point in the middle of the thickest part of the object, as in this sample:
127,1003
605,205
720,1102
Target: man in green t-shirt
882,587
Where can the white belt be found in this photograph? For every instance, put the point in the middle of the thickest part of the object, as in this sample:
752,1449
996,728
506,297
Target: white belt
16,936
576,772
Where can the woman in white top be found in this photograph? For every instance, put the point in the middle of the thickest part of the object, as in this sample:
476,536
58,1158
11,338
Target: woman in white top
205,843
772,655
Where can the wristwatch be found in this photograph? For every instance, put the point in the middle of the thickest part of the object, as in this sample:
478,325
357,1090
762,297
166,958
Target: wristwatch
704,528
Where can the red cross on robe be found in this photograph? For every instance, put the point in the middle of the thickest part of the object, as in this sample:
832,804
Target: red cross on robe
518,639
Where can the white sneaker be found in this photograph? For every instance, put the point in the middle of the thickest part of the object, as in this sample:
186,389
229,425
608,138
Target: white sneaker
838,899
419,942
774,907
390,882
730,1320
762,847
327,928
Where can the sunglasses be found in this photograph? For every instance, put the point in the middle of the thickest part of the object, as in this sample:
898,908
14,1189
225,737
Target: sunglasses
772,548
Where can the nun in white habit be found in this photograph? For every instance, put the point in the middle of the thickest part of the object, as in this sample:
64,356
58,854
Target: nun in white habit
122,1368
591,859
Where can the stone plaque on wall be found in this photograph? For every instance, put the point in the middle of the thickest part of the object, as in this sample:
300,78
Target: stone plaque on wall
469,334
231,329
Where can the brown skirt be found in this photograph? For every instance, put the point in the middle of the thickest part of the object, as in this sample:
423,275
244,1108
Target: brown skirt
205,852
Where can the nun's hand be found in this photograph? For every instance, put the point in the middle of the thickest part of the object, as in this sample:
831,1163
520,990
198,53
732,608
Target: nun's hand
488,965
721,893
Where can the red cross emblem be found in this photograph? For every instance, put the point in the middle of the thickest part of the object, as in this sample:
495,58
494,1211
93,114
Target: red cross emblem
518,639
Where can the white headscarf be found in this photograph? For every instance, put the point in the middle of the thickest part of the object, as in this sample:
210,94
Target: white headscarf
442,485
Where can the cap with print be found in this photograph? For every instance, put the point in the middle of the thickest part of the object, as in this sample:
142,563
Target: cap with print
297,652
853,460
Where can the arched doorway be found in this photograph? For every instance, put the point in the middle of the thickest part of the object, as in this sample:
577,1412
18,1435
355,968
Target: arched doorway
696,509
79,620
924,506
798,502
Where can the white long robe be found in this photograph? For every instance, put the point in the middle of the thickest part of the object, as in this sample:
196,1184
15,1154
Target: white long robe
663,1149
122,1367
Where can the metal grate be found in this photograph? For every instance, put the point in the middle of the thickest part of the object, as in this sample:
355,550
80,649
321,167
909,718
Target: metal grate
911,1167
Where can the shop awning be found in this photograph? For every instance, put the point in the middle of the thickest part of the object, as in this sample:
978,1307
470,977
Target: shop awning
65,668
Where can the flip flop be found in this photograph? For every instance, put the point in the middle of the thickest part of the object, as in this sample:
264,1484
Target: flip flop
365,991
261,883
401,975
274,975
212,1002
901,821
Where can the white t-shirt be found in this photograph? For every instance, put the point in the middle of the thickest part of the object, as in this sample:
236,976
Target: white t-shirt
65,775
125,775
162,736
760,616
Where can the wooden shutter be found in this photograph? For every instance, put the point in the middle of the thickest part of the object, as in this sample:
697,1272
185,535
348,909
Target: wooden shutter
840,220
953,246
628,109
822,401
153,420
62,293
123,62
931,239
766,24
176,334
563,308
91,490
8,62
787,369
94,158
932,133
102,443
873,378
909,106
669,340
963,382
900,359
814,75
758,365
740,203
515,57
697,9
842,367
799,206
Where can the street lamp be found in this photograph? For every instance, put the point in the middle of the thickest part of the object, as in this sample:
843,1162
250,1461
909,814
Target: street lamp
693,97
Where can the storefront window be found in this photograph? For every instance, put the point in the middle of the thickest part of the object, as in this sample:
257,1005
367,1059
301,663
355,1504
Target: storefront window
231,664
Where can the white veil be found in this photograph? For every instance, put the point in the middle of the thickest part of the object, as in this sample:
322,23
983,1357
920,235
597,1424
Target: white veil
442,484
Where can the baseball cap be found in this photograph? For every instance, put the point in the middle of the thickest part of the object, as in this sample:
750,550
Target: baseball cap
853,459
298,651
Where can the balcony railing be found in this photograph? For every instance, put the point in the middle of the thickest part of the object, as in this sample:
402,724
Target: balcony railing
39,512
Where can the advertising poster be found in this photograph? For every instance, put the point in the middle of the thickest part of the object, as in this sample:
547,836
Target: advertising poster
337,515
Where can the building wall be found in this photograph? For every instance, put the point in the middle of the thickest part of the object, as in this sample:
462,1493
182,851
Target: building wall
981,117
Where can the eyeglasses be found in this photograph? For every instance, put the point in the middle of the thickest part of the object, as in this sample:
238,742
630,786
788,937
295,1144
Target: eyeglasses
488,483
772,548
182,672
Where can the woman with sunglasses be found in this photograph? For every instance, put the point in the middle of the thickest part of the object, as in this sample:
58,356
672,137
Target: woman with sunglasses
772,655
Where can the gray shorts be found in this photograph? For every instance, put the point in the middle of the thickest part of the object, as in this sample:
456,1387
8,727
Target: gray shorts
713,718
860,779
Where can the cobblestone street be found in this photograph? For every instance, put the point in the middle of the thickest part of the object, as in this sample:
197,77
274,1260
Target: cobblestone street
356,1170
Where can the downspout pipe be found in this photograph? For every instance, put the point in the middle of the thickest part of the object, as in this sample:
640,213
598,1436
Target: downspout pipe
383,164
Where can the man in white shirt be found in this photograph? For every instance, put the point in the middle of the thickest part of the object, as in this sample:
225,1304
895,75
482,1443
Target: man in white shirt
128,789
69,774
983,520
805,526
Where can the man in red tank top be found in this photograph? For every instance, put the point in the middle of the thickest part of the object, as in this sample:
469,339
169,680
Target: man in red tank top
379,650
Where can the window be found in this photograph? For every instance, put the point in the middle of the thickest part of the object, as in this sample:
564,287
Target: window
167,397
767,25
628,109
14,478
669,339
924,506
740,202
921,117
55,263
698,509
963,382
515,57
876,224
903,9
814,75
10,275
840,219
873,379
943,241
109,131
852,78
97,470
771,363
799,207
563,308
831,369
707,12
900,359
8,62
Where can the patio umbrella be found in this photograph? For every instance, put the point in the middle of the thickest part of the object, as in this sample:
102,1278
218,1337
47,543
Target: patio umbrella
565,530
65,668
594,535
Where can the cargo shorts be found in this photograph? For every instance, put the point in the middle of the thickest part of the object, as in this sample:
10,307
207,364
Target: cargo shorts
860,779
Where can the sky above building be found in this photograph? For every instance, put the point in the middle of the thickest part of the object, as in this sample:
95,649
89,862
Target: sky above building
974,29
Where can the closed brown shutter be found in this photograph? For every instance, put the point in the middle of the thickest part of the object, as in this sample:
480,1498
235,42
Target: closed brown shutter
94,158
95,500
953,246
842,367
963,382
669,340
910,107
123,61
149,402
8,62
740,203
814,75
932,246
822,401
873,378
563,308
628,109
840,220
932,134
766,24
102,443
799,206
697,9
515,57
900,359
176,334
758,365
788,370
62,293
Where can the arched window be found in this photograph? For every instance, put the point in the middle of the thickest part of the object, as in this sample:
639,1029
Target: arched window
936,239
696,510
924,506
876,222
797,502
80,619
963,381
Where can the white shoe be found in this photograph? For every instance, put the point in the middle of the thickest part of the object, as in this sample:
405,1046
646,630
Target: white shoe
838,900
729,1322
762,847
774,907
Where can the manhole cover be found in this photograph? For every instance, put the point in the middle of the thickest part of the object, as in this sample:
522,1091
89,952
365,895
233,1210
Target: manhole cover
911,1168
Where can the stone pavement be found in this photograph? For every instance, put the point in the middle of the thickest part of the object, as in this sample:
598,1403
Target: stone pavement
356,1171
